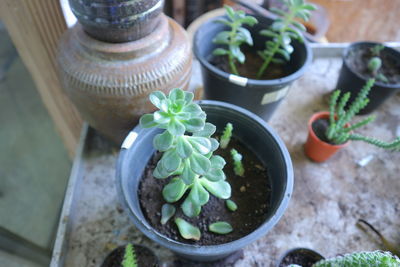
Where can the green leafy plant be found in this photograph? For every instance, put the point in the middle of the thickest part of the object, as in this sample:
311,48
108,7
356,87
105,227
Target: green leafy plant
375,63
237,162
278,49
340,132
129,257
187,158
235,37
375,258
226,136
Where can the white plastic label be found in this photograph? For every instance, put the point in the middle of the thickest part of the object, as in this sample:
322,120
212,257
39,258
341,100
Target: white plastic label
129,140
242,81
274,96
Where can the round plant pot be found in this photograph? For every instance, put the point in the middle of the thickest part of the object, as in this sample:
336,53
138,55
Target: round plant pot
117,21
316,149
144,257
110,83
352,81
253,132
259,96
301,256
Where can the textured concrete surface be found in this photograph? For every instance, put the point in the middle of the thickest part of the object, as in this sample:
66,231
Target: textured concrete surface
328,198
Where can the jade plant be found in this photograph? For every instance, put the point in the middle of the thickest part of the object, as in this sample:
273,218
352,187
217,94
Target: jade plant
187,157
129,257
375,63
371,259
339,130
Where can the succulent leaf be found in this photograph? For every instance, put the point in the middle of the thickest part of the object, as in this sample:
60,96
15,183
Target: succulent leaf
220,228
187,230
167,211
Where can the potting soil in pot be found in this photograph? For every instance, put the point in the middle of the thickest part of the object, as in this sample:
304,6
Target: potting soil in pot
358,59
251,193
320,127
302,258
144,257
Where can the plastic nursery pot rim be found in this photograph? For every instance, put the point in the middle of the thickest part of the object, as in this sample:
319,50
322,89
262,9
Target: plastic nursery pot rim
287,252
250,82
226,248
354,46
322,115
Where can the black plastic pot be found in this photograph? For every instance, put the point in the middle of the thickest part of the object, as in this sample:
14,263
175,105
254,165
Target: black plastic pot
259,96
299,256
351,81
137,149
117,21
144,256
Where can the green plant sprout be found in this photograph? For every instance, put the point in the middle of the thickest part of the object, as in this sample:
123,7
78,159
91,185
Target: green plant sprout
235,37
237,162
187,149
338,132
231,205
375,63
278,49
220,228
226,136
129,257
375,258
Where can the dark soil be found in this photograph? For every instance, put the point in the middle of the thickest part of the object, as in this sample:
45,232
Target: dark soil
358,59
145,257
320,127
250,68
252,194
303,258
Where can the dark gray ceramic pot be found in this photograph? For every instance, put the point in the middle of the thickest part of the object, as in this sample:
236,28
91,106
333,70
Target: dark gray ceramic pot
117,21
259,96
137,149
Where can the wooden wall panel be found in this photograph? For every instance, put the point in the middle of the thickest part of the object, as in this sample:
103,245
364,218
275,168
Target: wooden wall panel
35,27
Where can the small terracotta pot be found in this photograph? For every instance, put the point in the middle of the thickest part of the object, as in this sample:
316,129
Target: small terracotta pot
316,149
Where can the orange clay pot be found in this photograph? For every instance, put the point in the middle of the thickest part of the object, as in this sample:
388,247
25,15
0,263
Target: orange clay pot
316,149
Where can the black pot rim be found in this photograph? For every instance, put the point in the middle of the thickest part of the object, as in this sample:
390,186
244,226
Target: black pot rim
353,46
213,250
135,245
252,82
295,249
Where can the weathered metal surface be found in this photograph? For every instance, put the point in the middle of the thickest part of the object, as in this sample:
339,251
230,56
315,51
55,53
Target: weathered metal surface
328,198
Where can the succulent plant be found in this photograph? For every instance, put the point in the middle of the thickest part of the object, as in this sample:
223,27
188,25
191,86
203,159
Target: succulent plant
187,148
370,259
375,63
129,257
226,136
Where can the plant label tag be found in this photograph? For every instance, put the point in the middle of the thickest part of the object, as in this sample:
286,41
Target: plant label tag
274,96
242,81
129,140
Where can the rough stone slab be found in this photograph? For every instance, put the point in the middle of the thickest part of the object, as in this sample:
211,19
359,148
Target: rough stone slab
328,198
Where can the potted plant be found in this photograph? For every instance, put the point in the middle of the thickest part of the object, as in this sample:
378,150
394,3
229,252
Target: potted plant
330,131
302,256
131,256
192,197
375,258
365,60
251,61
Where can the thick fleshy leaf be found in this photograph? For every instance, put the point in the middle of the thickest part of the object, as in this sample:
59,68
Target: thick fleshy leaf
194,125
231,205
220,189
201,144
198,194
159,172
199,163
220,52
192,108
220,228
215,175
214,144
182,116
187,230
183,147
188,97
164,141
187,175
222,38
208,130
173,191
167,211
190,208
156,98
249,20
171,161
247,35
217,162
176,127
238,54
176,94
147,121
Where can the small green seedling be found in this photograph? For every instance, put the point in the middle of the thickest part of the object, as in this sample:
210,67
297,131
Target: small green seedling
129,257
235,37
278,49
375,63
187,157
231,205
237,162
187,230
339,133
226,136
221,228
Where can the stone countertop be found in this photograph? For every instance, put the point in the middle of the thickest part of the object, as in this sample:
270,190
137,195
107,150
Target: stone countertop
328,198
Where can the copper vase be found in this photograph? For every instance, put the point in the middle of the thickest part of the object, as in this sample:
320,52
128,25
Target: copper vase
110,83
